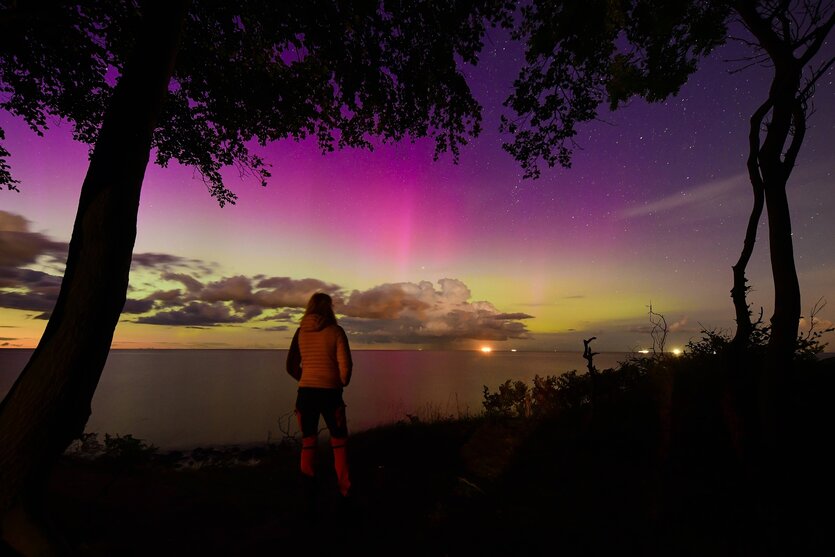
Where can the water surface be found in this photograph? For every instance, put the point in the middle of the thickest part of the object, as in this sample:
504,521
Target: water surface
188,398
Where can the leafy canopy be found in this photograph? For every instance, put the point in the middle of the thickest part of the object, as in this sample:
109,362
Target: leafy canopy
581,54
344,72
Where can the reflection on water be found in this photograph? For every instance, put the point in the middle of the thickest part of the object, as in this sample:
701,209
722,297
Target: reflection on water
187,398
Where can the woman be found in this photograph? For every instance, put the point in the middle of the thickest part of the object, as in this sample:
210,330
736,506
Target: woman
320,360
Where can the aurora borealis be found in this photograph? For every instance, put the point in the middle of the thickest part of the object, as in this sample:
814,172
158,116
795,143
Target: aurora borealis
427,254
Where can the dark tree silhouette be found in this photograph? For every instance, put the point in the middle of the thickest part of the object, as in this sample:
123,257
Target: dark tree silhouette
196,81
581,54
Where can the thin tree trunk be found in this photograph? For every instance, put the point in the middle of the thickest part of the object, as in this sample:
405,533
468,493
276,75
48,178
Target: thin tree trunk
49,404
739,292
786,318
788,116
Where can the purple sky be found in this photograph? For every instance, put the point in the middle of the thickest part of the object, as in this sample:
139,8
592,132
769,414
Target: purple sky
425,254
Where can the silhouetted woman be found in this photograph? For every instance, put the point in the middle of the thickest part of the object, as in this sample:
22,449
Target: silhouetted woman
320,360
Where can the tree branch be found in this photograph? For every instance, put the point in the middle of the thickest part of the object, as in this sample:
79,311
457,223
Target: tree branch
759,27
799,120
820,36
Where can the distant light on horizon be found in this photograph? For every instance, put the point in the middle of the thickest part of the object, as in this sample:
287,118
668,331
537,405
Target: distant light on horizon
677,352
644,351
486,349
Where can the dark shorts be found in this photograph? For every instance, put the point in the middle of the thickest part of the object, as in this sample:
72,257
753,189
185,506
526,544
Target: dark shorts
312,402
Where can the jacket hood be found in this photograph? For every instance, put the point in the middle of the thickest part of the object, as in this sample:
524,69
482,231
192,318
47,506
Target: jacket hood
312,322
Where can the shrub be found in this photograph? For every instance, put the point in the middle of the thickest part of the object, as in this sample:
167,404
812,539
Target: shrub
512,398
127,449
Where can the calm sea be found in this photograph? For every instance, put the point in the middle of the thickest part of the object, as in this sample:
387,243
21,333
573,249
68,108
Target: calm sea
189,398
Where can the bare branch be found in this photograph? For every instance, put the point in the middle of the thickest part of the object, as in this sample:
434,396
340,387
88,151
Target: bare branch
807,90
813,318
658,332
799,125
819,37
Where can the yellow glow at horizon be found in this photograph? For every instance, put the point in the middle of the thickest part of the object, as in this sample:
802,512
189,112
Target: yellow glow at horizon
486,349
568,299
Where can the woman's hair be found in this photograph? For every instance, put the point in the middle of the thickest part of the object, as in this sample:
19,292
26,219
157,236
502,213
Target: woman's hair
322,305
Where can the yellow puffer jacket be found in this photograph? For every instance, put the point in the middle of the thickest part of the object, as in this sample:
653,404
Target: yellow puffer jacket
319,355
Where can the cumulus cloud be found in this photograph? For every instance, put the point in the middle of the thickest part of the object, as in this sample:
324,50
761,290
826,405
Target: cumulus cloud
394,312
285,292
243,298
232,289
389,301
403,312
419,313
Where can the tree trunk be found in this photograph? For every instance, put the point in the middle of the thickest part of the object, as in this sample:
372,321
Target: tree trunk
739,292
788,119
49,404
744,326
786,318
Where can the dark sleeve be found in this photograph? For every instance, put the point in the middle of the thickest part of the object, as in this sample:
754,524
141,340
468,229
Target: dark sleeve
294,358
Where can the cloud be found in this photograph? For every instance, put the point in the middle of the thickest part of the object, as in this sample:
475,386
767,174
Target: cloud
166,298
25,288
196,314
191,283
31,301
233,289
285,292
394,312
234,299
705,194
512,316
403,312
20,246
389,301
276,328
678,325
137,306
418,313
156,260
284,315
820,324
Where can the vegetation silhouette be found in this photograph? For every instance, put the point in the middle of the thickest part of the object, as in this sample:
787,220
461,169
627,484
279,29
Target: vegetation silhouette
581,54
660,456
197,82
655,466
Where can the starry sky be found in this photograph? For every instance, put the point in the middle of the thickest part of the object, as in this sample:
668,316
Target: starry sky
433,255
